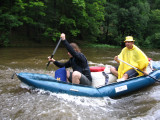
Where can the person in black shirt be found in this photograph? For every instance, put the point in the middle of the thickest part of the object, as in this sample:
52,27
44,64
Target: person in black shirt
81,73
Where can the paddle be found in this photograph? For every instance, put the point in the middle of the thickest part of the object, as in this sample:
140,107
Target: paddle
54,51
138,69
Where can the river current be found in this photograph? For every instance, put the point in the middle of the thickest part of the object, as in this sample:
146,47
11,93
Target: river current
21,102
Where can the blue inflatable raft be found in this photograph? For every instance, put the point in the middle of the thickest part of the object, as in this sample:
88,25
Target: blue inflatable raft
49,83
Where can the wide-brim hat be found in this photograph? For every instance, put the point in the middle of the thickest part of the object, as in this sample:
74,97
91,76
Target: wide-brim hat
129,39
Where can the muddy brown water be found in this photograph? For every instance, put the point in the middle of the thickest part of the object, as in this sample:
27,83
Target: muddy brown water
21,102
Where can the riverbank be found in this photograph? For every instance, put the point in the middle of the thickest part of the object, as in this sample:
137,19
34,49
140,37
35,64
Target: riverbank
22,42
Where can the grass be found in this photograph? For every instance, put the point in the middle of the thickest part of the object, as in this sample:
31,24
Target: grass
100,45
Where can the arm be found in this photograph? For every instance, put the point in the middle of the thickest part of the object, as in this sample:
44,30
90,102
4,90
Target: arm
66,65
70,49
116,59
58,64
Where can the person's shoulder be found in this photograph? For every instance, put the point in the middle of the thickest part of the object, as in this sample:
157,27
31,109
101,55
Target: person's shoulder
80,54
124,49
136,48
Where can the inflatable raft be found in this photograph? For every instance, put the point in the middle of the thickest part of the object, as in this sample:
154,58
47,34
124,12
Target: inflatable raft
112,90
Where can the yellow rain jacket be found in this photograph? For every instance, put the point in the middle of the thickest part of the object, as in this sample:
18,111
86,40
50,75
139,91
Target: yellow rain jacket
133,56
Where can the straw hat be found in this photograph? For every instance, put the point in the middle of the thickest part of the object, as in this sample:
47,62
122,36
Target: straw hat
129,39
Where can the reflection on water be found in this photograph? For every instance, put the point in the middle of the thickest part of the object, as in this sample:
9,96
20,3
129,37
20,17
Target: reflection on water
19,101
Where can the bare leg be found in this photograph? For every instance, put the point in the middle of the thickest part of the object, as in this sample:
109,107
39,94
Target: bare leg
68,75
125,76
114,71
76,77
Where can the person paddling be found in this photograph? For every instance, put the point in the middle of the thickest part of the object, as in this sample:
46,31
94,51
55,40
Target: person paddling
131,54
81,73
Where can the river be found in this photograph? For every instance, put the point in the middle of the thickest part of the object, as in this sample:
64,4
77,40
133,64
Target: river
20,102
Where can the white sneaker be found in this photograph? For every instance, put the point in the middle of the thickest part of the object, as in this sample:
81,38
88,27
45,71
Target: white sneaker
120,80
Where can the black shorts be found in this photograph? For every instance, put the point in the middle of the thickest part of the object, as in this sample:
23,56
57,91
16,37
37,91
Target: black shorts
83,80
131,73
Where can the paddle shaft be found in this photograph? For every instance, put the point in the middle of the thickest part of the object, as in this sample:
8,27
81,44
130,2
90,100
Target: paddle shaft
138,69
54,51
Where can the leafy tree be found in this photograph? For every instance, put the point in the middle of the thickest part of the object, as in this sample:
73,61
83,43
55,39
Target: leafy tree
97,21
152,33
8,21
110,23
78,18
94,19
31,13
132,18
17,13
83,18
154,4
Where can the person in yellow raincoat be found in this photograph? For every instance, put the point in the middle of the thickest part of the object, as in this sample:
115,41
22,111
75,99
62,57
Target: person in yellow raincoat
132,55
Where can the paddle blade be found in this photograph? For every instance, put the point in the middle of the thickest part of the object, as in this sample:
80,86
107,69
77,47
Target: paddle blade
47,64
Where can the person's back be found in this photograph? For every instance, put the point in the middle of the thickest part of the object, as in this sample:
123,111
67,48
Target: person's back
81,72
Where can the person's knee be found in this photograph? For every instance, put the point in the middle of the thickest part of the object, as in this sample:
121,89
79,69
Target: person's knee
125,76
76,77
76,74
112,69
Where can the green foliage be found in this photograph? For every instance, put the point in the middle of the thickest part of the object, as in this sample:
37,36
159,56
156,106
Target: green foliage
4,39
96,21
101,46
152,33
155,19
156,40
133,19
93,20
79,3
75,32
17,13
52,34
110,24
7,22
153,41
129,18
